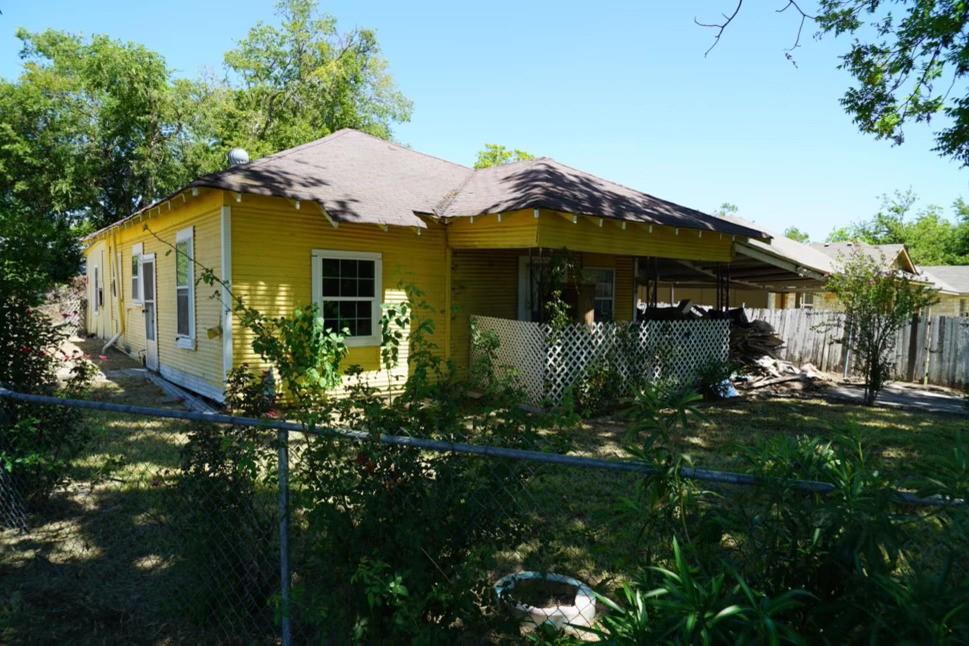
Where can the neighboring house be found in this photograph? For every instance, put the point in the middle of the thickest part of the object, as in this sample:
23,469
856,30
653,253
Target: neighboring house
348,221
890,256
952,281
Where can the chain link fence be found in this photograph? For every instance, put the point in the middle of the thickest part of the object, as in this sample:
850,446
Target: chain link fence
189,527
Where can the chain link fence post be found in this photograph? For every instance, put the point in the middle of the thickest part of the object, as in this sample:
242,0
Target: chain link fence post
285,623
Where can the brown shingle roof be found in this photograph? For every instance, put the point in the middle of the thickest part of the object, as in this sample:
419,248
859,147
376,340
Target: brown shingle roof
547,184
359,178
355,177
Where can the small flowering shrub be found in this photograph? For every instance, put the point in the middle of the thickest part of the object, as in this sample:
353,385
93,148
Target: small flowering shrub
37,442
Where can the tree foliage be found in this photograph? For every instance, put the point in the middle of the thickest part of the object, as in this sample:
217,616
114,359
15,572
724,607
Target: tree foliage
796,234
498,155
931,238
908,60
95,128
303,79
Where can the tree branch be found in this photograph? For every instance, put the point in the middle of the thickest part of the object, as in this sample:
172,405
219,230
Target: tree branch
720,26
800,28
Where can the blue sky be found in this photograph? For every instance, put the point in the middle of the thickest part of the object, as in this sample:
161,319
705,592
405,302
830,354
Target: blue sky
621,89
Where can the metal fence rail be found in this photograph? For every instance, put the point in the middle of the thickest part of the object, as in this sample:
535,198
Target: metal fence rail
228,570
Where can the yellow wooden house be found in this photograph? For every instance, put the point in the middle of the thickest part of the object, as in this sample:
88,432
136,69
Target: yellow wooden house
952,286
346,222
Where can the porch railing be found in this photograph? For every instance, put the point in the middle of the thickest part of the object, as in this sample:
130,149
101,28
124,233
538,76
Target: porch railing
549,361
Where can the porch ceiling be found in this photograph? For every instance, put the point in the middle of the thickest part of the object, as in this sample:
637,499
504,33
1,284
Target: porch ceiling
745,272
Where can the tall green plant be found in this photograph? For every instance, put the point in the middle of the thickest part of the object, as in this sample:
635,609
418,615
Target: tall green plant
877,303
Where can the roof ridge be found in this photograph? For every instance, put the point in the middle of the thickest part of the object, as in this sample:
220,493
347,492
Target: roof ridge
288,151
405,148
448,198
649,195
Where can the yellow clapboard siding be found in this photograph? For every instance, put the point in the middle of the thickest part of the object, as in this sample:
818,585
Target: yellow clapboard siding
516,230
552,230
272,243
557,231
483,283
204,363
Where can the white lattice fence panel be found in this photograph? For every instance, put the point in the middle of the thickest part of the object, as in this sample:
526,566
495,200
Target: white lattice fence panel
521,352
548,362
576,348
635,352
678,349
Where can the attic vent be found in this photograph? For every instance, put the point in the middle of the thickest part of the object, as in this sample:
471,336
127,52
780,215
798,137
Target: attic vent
238,156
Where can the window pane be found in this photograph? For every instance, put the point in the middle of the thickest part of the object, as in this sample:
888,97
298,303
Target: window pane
365,287
184,248
149,286
331,287
181,304
150,321
348,269
348,309
603,310
348,287
365,268
364,327
331,268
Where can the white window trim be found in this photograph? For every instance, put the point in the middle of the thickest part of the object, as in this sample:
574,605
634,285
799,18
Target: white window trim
316,271
612,272
138,295
186,342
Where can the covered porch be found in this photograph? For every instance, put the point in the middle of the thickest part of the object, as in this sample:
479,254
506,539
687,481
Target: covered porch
507,268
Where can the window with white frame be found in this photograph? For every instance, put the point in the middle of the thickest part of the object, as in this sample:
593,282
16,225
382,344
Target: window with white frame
136,293
807,300
347,290
605,292
185,288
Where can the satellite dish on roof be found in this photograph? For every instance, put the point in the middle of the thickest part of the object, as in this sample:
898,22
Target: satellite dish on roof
238,156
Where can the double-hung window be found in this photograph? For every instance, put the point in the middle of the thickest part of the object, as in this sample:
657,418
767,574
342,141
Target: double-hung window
136,293
605,288
185,289
346,291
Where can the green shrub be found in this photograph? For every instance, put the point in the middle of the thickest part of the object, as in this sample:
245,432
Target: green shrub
37,443
226,512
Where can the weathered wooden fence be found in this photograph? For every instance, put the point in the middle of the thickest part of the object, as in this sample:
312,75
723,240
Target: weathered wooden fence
931,350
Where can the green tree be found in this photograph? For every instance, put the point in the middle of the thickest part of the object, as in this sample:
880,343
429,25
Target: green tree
796,234
91,129
498,155
876,304
301,80
908,60
930,237
95,128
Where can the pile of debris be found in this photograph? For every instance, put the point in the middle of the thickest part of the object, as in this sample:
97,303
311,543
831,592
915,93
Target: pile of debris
750,341
754,350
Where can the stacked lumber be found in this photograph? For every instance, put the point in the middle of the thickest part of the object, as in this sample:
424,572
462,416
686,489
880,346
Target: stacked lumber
751,340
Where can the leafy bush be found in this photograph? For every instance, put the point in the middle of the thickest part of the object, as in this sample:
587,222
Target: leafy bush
713,379
776,563
226,515
37,443
423,580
